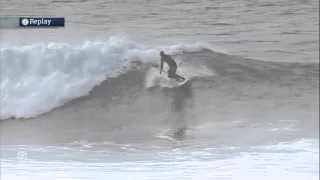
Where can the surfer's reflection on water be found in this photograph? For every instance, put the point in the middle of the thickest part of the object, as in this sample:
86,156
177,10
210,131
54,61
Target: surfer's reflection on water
182,97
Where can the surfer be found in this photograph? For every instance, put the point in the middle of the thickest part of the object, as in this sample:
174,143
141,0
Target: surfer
172,66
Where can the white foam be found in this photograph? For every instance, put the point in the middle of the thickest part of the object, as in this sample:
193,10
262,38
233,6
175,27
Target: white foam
39,77
178,162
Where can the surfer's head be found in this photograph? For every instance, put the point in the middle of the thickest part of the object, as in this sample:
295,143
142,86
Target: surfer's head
161,53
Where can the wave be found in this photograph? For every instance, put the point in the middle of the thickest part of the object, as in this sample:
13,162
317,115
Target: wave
40,77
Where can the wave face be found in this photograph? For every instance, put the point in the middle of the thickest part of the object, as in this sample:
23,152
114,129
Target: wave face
39,77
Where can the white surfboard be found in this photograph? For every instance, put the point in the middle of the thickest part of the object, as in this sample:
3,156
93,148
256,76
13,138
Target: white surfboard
153,78
180,83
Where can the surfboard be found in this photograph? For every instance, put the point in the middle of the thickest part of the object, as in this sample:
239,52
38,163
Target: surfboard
153,78
180,83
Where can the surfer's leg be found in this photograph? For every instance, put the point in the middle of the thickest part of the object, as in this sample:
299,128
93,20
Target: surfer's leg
182,78
177,76
172,72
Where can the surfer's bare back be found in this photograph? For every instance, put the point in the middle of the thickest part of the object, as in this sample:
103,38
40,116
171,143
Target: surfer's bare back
172,66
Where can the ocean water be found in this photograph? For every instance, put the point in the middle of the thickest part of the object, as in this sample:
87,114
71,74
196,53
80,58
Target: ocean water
87,101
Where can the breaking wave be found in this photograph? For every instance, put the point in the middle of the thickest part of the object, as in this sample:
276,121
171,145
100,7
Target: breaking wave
39,77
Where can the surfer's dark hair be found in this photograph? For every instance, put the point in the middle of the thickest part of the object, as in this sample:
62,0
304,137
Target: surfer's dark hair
161,53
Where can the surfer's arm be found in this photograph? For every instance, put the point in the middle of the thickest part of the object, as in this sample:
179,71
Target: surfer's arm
161,66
